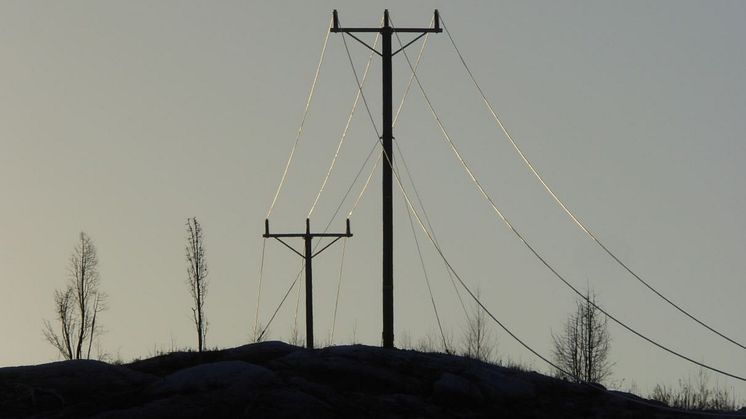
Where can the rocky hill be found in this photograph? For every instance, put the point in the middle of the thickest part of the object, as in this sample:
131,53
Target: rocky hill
273,379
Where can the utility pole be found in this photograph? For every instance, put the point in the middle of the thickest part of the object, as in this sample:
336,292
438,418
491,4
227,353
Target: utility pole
308,256
386,31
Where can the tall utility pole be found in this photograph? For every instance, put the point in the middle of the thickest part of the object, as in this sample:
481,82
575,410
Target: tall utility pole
387,138
307,256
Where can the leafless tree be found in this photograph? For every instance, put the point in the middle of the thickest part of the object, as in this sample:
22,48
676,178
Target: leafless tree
197,278
479,342
78,305
582,349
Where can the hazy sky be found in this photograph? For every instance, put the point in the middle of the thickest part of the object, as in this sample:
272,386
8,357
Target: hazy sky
122,119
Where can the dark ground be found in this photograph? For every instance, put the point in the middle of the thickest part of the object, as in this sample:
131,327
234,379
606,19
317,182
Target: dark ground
276,380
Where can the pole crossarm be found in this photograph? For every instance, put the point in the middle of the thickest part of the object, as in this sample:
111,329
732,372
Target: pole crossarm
308,255
385,29
308,234
387,136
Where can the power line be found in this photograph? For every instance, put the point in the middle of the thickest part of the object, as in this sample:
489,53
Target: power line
427,280
530,349
302,122
344,132
411,77
536,253
514,336
339,287
406,167
365,187
430,226
570,213
284,297
259,291
297,303
359,85
523,343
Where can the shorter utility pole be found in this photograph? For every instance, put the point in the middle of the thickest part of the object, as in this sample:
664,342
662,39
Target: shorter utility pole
308,256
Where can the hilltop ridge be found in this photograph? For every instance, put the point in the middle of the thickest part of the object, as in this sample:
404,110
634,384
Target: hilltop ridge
274,379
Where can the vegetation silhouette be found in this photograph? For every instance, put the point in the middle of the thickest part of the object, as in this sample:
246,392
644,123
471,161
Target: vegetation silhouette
197,278
77,305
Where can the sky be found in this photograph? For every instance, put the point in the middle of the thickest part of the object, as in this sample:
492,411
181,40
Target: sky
123,119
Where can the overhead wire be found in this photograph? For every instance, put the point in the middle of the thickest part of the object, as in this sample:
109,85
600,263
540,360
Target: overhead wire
509,331
326,179
427,282
365,187
285,173
282,301
411,223
567,210
360,86
406,168
287,165
429,224
297,303
474,297
411,76
344,132
523,343
339,288
302,122
259,291
513,229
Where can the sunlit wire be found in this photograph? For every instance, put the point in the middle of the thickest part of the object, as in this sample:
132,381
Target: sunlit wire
570,213
302,123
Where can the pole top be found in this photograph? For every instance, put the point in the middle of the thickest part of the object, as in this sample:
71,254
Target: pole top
386,18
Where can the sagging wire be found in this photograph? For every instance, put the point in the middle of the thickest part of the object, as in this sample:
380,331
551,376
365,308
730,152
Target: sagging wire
259,291
567,210
339,287
302,122
344,132
510,226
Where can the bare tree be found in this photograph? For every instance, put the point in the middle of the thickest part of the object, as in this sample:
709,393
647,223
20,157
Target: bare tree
582,349
78,305
197,278
479,342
